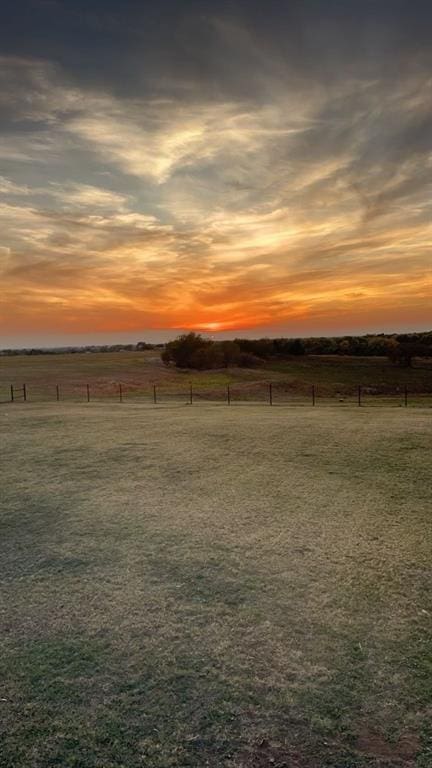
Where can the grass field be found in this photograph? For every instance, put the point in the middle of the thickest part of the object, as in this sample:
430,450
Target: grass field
232,588
138,372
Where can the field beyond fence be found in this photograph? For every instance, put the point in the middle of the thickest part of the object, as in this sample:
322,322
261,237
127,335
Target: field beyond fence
141,377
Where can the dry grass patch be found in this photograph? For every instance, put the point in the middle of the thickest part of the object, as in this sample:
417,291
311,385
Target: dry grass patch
189,587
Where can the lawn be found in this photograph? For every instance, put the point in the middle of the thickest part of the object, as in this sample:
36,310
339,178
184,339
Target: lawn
207,586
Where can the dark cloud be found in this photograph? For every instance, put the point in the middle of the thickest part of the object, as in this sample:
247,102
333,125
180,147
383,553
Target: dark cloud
224,47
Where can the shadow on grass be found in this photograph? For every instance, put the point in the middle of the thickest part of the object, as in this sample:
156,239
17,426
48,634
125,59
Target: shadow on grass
78,702
74,702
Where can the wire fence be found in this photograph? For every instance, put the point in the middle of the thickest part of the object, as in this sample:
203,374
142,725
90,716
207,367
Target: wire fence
238,393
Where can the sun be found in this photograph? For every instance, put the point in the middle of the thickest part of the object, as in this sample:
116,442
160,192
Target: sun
211,326
214,326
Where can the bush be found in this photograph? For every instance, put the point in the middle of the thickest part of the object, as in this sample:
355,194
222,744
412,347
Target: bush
194,351
403,352
187,351
230,353
247,360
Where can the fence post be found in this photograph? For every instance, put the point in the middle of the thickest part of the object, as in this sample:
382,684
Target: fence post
270,394
313,394
120,393
228,395
24,393
12,393
191,394
406,395
57,392
88,393
359,395
154,394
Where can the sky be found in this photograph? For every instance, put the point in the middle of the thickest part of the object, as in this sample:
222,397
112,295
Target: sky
234,168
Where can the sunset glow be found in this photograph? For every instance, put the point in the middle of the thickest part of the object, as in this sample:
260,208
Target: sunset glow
210,173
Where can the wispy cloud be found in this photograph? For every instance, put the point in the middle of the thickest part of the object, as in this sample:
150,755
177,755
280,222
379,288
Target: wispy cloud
88,196
8,187
294,208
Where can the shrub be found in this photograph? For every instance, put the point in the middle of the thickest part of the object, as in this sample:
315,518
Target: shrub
247,360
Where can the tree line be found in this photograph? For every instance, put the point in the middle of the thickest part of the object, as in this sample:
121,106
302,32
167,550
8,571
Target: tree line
89,348
192,350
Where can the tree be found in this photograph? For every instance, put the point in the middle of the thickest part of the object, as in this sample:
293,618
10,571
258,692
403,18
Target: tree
142,345
187,351
230,353
403,352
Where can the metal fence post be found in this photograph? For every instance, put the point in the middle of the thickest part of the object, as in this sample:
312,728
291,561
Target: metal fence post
22,393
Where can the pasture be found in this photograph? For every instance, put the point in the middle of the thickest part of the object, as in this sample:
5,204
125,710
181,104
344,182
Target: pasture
225,587
138,372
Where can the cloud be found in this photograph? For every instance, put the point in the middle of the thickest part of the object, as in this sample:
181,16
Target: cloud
8,187
87,196
144,138
155,140
291,206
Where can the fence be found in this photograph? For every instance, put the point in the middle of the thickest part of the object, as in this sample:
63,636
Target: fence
16,394
237,393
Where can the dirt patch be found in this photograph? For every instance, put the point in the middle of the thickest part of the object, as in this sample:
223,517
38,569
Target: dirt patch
404,750
267,755
369,744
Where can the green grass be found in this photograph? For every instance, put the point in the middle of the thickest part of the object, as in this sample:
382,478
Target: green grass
233,588
334,373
